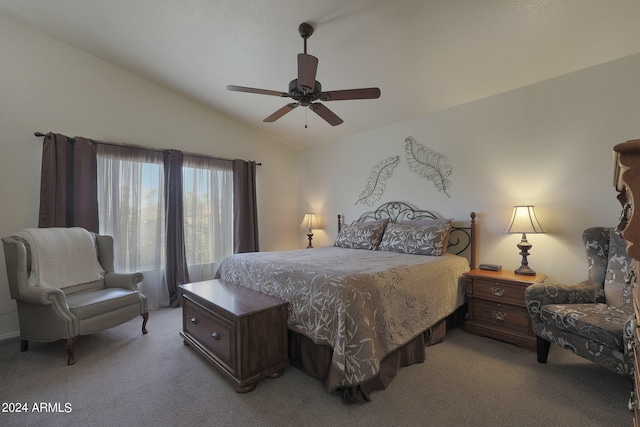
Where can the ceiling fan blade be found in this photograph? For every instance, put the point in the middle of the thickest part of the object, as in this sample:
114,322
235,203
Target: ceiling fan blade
307,67
326,114
254,90
341,95
281,112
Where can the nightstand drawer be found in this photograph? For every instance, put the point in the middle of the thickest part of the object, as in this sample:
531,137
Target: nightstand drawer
497,307
215,333
499,291
500,316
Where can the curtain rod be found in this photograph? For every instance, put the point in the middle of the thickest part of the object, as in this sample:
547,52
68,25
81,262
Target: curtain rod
40,134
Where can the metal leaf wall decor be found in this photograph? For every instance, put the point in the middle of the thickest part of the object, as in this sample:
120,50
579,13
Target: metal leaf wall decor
428,164
377,181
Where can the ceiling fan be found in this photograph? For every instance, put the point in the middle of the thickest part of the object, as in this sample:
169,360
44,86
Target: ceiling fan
306,90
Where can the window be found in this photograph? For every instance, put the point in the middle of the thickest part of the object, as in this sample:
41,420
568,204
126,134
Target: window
208,214
131,208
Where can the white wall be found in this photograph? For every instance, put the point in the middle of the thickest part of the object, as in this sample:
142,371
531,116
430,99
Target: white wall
548,144
48,86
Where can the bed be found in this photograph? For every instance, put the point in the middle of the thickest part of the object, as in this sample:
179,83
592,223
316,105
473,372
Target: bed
368,305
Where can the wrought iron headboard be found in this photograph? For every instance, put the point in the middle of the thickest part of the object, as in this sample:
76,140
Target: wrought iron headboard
462,240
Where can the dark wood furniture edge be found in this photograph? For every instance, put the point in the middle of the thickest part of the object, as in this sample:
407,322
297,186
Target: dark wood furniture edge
627,183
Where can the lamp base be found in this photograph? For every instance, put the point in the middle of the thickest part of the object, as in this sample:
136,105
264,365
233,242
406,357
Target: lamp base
524,247
310,236
524,270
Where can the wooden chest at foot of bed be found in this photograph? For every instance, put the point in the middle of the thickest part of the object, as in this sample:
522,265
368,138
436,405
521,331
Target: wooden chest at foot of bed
497,308
241,332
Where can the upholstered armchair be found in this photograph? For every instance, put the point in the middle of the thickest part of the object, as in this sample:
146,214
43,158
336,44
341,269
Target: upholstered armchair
593,319
64,284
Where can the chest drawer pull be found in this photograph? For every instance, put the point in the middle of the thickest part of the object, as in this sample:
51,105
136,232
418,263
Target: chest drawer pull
624,215
499,292
215,336
498,315
194,320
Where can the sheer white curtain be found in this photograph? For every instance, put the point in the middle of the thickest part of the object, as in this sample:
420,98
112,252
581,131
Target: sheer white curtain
131,209
208,214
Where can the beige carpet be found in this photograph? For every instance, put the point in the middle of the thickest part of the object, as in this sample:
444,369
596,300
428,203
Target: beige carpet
122,378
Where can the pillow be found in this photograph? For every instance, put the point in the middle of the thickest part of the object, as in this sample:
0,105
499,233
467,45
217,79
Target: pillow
408,239
429,222
361,235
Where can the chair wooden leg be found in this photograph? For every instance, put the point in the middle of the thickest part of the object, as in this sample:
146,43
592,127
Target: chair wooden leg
542,347
69,344
24,345
145,317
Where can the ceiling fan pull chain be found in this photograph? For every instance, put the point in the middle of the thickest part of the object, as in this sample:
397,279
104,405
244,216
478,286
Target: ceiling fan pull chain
305,117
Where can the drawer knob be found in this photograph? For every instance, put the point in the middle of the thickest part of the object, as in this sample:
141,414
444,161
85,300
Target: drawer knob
499,292
624,215
194,320
498,315
215,336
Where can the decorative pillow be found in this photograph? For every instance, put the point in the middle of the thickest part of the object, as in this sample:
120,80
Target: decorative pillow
426,240
363,235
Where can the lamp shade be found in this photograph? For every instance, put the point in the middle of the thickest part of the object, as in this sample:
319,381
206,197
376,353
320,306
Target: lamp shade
524,220
309,221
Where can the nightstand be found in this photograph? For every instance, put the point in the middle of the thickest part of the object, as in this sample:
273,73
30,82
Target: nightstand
497,308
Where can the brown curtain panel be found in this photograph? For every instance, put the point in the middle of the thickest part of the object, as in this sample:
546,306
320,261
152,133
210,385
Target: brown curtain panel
245,214
68,186
176,269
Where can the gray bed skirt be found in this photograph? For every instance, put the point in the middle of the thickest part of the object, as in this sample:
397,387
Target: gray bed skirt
315,359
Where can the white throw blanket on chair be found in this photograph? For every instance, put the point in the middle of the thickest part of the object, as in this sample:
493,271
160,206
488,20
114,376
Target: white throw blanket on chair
61,257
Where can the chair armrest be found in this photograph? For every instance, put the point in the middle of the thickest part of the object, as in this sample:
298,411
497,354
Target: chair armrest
42,296
123,280
587,292
539,294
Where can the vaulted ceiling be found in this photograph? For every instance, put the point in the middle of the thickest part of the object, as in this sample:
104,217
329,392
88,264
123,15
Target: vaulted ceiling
424,55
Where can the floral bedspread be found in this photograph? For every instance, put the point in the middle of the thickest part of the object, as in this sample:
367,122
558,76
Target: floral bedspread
362,303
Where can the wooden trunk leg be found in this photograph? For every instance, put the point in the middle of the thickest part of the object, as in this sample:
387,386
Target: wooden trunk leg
246,388
69,344
542,347
145,317
24,345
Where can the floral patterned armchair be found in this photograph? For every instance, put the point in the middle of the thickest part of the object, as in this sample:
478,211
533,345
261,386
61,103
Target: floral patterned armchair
593,319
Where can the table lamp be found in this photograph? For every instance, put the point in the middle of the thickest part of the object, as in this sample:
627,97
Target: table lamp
523,220
309,221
